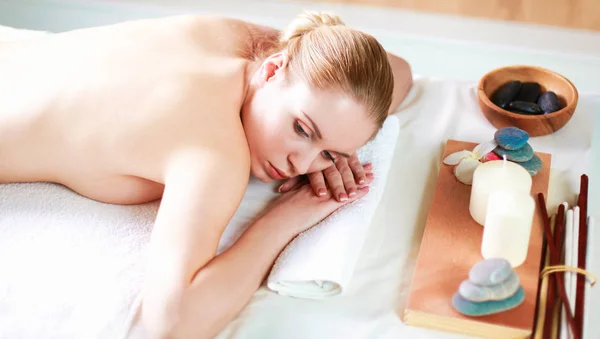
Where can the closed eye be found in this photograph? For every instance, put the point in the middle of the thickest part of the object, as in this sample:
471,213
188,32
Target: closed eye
327,155
299,129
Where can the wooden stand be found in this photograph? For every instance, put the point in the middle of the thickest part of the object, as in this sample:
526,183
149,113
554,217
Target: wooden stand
451,245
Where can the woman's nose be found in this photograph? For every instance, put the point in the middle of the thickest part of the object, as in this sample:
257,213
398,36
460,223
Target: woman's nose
301,162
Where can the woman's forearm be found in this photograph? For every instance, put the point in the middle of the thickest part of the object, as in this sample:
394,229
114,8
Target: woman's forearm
224,286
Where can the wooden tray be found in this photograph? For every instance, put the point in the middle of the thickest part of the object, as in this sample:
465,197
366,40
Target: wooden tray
451,245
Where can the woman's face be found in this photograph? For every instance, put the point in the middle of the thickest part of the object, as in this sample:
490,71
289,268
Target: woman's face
293,129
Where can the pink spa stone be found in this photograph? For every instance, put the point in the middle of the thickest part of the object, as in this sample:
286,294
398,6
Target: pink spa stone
491,156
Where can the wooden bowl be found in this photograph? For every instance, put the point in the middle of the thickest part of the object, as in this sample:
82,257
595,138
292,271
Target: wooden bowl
535,125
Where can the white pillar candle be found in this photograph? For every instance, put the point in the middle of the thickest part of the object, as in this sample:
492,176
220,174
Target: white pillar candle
507,227
491,176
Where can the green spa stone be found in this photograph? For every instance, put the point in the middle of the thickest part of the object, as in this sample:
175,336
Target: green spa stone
522,154
477,309
533,166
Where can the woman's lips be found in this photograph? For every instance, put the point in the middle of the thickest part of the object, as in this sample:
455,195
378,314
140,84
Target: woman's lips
276,173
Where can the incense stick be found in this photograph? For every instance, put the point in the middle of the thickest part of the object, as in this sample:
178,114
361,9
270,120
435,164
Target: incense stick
564,330
559,240
574,253
591,230
554,258
552,278
540,301
581,256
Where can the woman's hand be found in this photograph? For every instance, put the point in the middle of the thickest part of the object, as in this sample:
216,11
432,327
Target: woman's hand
300,209
343,179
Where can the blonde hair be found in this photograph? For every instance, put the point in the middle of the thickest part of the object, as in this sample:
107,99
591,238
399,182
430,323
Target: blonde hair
329,55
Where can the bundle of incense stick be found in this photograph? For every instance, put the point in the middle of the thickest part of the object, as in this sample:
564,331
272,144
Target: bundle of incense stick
564,266
556,283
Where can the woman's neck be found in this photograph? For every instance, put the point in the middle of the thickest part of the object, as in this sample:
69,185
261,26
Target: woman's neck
262,41
249,80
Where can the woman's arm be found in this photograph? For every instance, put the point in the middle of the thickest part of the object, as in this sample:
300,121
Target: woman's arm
190,292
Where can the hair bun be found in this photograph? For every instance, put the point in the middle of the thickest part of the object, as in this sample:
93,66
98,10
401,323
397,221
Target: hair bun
308,21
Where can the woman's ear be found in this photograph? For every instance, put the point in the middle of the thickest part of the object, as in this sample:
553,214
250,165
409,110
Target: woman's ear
273,67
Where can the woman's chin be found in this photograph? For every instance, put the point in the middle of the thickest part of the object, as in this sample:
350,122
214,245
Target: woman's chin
261,175
265,180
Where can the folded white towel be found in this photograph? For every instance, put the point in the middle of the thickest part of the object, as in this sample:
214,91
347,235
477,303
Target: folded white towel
319,262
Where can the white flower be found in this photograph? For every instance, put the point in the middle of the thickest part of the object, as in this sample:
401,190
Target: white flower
468,161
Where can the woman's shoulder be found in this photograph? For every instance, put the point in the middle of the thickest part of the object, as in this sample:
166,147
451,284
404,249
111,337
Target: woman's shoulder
235,35
224,25
209,138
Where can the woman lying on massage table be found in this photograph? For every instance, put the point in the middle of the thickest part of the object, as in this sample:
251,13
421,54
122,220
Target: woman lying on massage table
186,108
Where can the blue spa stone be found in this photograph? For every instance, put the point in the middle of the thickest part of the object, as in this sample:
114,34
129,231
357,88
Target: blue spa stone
522,154
474,309
480,293
511,138
490,272
532,166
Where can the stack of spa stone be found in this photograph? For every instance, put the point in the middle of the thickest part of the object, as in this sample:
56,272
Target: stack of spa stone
513,143
493,287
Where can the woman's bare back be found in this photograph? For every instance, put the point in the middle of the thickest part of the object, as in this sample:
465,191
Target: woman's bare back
99,110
